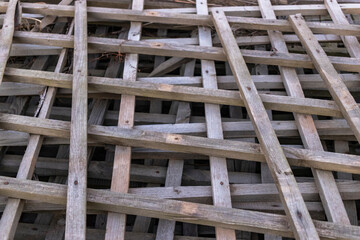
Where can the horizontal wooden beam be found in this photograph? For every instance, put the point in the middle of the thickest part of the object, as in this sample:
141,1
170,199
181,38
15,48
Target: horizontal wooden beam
100,45
163,17
182,143
172,210
171,92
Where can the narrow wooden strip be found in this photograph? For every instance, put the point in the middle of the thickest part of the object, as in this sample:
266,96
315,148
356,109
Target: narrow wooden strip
337,15
173,210
330,196
218,166
166,229
156,16
181,93
182,143
98,45
14,206
246,11
116,223
77,178
7,32
291,198
47,20
336,86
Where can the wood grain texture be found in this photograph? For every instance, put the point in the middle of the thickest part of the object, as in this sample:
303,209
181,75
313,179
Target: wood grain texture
330,196
173,210
14,207
335,85
338,17
292,200
116,223
12,17
98,45
77,178
182,143
218,166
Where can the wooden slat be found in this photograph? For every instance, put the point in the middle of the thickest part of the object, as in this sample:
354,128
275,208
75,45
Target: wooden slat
336,86
218,166
173,210
77,178
6,35
116,223
337,15
99,45
330,195
166,17
182,143
174,172
292,200
182,93
246,11
14,207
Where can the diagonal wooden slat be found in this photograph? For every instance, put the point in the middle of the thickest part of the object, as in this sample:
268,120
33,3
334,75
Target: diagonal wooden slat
335,84
291,198
330,196
14,207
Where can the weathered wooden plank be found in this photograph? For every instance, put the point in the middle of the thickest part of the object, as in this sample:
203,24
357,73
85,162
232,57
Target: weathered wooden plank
218,166
13,13
14,207
182,143
182,93
336,86
337,15
166,229
246,11
116,223
98,45
330,196
47,20
172,210
164,17
77,178
291,198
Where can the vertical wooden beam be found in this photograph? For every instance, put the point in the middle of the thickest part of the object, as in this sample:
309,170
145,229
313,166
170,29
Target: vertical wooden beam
334,83
14,207
77,179
175,167
294,204
218,167
330,196
116,223
12,16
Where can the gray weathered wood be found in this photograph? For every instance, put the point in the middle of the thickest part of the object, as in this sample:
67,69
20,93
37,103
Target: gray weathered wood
77,178
292,200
